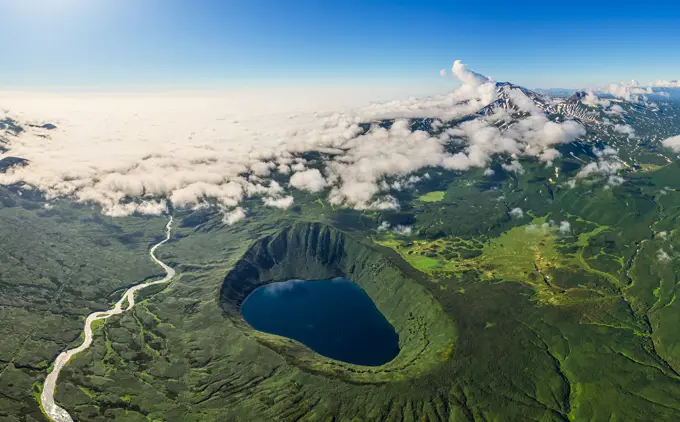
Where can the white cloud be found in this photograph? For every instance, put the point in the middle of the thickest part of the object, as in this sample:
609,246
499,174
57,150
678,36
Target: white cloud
517,213
625,129
152,207
468,77
123,151
615,109
663,256
384,226
282,203
607,165
666,84
565,227
606,151
399,229
673,143
234,216
401,183
514,167
310,180
402,230
637,93
522,101
549,155
262,169
614,180
145,207
540,133
299,166
630,92
591,99
229,194
386,203
283,169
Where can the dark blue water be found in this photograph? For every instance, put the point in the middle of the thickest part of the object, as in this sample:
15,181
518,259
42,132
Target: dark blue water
335,318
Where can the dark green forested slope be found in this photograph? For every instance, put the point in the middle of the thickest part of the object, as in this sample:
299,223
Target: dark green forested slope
595,340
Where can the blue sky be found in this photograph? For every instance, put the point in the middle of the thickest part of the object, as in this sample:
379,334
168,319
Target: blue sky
107,44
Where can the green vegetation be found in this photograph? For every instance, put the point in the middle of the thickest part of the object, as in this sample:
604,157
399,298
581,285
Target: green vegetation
531,254
444,256
521,349
435,196
57,265
500,315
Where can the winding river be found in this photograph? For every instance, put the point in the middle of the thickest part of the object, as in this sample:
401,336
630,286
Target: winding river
59,414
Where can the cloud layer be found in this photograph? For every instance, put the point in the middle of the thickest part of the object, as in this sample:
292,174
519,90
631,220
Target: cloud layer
141,153
673,143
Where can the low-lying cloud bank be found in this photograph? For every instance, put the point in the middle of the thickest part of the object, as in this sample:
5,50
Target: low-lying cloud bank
637,93
139,154
673,143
